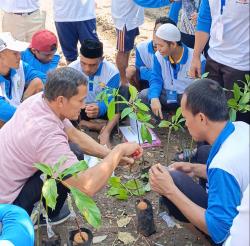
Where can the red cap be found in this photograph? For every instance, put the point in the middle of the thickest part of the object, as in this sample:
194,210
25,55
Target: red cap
44,40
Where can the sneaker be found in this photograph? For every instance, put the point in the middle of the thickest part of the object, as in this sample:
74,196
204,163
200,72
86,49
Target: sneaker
56,220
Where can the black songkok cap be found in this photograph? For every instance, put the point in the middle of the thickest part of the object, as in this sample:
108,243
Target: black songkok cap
92,48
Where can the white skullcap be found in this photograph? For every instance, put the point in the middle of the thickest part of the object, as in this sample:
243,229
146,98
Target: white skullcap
169,32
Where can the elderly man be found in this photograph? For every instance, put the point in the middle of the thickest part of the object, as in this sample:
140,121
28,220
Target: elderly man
204,107
44,129
18,80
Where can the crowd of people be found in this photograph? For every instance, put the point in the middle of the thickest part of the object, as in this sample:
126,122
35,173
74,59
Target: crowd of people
44,106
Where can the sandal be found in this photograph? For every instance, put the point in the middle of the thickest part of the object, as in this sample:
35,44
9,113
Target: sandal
187,155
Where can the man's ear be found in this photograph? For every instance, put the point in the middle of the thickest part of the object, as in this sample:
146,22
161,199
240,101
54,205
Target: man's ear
60,101
203,118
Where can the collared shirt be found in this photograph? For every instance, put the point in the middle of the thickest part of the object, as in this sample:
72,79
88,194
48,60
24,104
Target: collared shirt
107,75
171,77
126,13
28,56
19,6
12,88
144,59
234,49
76,10
34,134
228,178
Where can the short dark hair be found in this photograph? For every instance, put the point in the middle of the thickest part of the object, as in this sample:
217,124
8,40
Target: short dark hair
63,82
208,97
91,48
164,20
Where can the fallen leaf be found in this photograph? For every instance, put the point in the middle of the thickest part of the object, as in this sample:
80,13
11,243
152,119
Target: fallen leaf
126,237
123,221
99,239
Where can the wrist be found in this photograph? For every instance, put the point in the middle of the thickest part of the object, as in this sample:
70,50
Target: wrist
171,192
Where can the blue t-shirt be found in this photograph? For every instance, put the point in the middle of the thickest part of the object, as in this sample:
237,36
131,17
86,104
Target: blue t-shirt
28,56
17,227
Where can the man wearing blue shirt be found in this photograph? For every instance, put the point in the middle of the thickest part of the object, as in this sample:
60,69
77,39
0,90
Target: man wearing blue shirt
41,52
140,74
100,74
17,79
169,76
204,106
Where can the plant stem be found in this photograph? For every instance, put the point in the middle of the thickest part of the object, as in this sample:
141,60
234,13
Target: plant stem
79,229
169,134
138,135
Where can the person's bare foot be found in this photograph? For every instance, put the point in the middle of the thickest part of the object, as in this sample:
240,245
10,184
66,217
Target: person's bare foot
92,125
104,137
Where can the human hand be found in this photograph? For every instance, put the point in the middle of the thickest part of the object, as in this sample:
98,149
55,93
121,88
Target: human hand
156,107
185,167
195,68
92,110
160,180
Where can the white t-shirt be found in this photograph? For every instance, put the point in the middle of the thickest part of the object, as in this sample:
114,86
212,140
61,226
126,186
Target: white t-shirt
74,10
127,13
239,232
19,6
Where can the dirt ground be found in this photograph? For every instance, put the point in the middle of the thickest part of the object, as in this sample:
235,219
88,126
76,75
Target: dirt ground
112,209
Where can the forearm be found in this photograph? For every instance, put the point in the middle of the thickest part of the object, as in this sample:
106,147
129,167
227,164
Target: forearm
201,38
94,178
35,86
194,213
87,144
199,170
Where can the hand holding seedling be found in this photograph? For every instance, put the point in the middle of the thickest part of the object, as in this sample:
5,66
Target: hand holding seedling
92,110
160,180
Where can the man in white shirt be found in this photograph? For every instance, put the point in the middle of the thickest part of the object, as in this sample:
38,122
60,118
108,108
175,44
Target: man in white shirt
127,17
75,21
22,18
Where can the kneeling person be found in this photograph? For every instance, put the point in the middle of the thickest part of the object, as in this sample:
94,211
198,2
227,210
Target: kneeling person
100,74
18,80
171,65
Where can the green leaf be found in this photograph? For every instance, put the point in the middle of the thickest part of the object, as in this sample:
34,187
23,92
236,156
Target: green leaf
148,125
75,168
59,163
204,75
165,123
247,77
236,91
232,114
45,168
131,184
245,98
145,134
49,192
142,106
126,112
232,103
113,191
87,207
132,116
133,92
143,117
176,128
111,110
115,182
122,196
177,114
139,192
